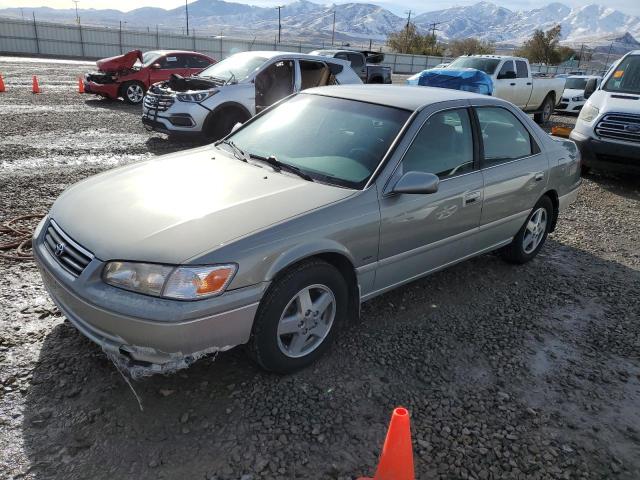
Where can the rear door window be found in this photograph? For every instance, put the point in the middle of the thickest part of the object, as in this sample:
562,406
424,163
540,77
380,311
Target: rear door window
313,74
356,61
170,62
504,137
443,146
521,69
196,61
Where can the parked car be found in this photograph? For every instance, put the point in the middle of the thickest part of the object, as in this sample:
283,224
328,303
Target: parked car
365,63
608,128
512,81
235,89
573,96
275,235
129,76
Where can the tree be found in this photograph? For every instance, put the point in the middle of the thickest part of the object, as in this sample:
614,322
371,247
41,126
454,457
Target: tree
409,40
470,46
542,47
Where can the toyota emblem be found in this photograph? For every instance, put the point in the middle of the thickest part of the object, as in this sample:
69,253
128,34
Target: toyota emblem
59,249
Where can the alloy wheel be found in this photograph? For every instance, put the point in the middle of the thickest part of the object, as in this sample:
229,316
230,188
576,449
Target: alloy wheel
535,230
135,93
306,321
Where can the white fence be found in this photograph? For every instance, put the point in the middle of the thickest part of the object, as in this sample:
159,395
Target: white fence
54,39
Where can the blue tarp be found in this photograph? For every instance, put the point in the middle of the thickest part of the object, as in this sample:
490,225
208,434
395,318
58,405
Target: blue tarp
466,79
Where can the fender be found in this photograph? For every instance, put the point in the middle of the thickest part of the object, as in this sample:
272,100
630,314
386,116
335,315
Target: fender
225,105
306,250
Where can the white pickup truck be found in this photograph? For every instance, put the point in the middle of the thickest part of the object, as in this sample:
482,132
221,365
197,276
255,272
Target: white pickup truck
513,81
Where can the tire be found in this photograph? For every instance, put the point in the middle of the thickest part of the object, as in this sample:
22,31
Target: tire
546,108
221,122
531,237
132,92
277,341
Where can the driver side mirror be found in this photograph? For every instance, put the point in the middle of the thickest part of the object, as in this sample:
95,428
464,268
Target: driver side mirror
156,66
417,182
508,75
236,127
590,87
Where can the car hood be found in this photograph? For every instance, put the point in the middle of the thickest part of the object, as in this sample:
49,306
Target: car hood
179,206
572,92
119,62
612,102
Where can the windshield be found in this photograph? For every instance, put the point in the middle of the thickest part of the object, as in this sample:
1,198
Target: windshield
576,83
487,65
626,76
149,57
333,140
236,67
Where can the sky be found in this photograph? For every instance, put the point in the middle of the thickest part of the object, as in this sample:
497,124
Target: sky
631,7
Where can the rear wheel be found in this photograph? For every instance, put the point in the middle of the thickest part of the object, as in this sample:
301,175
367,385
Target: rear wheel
133,92
299,317
544,115
531,237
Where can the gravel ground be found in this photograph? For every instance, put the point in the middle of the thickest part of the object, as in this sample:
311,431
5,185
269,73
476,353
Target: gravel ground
509,372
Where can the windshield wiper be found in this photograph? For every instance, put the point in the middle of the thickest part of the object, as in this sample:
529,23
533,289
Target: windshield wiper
237,151
231,79
278,166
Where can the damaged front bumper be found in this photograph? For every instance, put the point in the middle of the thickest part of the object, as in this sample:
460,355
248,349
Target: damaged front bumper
145,334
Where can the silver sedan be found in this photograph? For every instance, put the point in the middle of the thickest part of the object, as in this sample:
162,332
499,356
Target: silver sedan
274,236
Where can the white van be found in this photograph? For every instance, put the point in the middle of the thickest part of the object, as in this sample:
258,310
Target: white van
608,128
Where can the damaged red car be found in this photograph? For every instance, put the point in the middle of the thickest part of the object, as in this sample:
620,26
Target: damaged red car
129,76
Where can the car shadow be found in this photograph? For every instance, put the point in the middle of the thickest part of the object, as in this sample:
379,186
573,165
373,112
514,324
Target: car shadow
224,417
624,185
159,144
117,105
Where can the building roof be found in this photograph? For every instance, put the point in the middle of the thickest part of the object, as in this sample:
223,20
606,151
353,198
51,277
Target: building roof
400,96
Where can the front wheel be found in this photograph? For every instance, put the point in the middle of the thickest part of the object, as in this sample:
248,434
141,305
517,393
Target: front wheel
133,92
299,316
531,237
544,115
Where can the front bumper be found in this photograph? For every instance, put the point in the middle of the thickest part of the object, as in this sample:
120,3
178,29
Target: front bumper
608,155
570,106
180,118
146,330
109,90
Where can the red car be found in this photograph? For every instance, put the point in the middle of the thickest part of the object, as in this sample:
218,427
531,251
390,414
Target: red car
130,75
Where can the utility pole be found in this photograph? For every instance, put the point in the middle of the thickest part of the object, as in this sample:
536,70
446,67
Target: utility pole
333,33
77,16
406,33
606,62
433,34
279,7
186,8
580,57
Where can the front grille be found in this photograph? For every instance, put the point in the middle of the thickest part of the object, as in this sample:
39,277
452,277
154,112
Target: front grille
71,256
620,126
158,102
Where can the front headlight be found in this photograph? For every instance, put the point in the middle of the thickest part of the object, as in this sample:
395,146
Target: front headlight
579,98
588,113
181,283
196,97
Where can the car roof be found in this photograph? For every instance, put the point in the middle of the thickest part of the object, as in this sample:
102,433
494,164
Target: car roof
406,97
584,76
269,54
169,52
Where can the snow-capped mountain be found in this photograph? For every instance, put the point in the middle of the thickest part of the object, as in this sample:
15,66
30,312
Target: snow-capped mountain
303,19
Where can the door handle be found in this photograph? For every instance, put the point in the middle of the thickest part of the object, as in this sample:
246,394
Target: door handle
512,84
539,176
471,197
528,83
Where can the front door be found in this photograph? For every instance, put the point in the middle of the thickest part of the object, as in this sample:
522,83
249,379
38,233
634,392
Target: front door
168,64
422,232
506,87
274,83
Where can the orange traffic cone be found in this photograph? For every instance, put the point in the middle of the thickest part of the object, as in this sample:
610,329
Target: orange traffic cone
35,88
2,89
80,85
396,459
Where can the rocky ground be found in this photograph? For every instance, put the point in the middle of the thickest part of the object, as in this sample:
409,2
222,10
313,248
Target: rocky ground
508,372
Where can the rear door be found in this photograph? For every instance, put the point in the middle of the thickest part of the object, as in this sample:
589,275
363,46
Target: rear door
524,84
505,87
169,64
422,232
196,63
313,74
515,171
